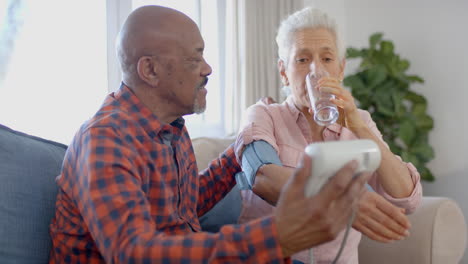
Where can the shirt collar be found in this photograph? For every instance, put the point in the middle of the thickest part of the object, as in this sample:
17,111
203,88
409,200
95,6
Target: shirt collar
126,99
289,102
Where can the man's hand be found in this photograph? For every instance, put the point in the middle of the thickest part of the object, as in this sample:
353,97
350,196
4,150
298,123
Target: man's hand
304,222
380,220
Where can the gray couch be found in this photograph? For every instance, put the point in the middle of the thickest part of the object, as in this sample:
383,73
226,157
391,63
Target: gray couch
29,166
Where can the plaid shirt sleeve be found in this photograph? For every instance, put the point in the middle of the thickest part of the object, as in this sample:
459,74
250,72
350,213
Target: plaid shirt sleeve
217,180
116,210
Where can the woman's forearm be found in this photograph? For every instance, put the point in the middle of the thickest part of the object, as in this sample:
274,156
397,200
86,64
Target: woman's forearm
269,180
393,174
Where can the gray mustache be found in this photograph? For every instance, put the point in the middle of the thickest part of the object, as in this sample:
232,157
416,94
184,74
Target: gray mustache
205,81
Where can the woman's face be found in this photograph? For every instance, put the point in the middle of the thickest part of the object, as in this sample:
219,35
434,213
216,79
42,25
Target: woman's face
317,46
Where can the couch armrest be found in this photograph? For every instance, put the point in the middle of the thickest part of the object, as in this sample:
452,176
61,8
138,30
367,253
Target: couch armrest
438,235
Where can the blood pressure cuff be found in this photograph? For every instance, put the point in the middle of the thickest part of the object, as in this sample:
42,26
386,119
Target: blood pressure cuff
255,155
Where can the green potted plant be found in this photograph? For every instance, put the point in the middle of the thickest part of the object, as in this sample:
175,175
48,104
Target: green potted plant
382,87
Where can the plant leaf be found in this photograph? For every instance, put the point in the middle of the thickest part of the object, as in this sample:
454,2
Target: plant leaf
354,82
383,99
384,106
415,78
407,131
425,122
376,75
424,151
353,53
397,103
386,47
426,174
415,98
403,65
410,158
419,109
394,147
374,39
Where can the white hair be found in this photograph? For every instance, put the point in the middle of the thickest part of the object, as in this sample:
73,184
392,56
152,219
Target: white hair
306,18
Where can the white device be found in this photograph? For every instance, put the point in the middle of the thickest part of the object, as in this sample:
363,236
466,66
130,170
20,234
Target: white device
329,157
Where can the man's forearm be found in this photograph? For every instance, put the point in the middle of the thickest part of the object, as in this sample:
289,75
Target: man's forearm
254,242
220,173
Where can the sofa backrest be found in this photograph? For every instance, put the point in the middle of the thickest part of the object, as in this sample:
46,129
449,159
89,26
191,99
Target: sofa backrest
28,168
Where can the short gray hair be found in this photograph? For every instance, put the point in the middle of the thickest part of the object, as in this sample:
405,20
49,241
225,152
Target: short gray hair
306,18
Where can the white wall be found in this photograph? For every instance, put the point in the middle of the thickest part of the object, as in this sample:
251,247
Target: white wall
433,35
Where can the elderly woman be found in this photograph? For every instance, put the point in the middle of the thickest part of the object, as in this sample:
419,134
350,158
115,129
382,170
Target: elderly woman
311,37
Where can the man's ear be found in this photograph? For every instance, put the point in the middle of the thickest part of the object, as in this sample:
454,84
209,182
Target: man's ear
147,70
282,72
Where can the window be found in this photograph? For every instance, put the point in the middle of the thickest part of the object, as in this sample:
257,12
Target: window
62,62
56,75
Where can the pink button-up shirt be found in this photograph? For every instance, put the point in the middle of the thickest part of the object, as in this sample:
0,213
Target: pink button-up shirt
285,128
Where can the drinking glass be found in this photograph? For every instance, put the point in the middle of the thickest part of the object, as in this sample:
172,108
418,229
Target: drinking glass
325,112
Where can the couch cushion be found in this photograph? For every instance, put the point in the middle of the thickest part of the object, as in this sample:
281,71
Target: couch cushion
28,168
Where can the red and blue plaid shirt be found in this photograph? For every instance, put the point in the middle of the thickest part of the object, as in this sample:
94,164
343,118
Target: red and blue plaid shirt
130,192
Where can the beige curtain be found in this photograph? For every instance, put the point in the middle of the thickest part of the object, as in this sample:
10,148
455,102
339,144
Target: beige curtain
251,54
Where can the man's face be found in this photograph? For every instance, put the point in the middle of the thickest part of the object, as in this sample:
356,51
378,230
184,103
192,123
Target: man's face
309,46
187,73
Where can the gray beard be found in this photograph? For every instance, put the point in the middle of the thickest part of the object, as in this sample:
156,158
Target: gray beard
197,109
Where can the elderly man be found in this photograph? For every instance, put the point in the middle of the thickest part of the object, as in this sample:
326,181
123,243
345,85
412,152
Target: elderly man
129,191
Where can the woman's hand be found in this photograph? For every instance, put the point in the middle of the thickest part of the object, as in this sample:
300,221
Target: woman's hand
380,220
344,100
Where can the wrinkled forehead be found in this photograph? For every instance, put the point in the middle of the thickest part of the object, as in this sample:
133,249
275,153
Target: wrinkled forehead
313,40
